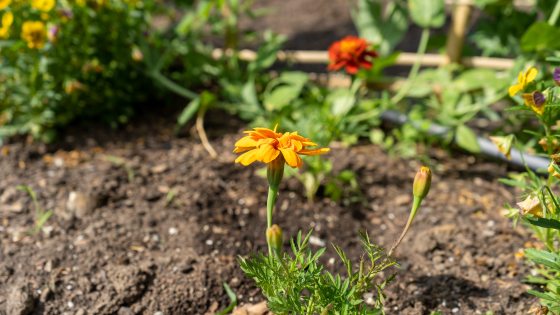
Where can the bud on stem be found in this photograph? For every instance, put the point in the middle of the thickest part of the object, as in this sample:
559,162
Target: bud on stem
420,189
274,239
422,182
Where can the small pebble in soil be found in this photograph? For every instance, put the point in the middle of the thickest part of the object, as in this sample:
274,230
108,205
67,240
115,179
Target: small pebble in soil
173,231
314,240
70,304
209,242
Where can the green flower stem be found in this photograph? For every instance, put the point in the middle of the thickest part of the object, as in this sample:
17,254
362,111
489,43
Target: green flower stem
415,206
555,13
415,68
270,202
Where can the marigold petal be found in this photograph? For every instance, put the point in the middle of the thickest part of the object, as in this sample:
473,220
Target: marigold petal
314,151
267,153
247,157
297,145
246,142
291,157
266,133
242,149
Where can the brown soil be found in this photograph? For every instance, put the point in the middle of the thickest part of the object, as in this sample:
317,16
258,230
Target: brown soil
146,222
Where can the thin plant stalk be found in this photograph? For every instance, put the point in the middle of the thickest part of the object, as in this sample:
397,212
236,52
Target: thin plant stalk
415,206
555,13
415,67
202,133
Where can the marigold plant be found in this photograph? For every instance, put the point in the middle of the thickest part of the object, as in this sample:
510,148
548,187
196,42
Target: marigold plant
297,283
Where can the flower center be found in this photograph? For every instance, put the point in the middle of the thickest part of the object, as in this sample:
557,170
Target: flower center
349,46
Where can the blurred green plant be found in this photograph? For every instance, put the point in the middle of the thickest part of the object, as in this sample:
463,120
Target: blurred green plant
65,60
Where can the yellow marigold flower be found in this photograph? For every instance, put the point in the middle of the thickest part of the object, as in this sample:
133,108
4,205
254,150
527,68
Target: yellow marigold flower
34,33
7,20
43,5
265,145
4,4
522,80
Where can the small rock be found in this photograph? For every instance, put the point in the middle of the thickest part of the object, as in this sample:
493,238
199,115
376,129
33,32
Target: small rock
81,204
255,309
20,300
125,311
159,169
173,231
314,240
8,195
15,207
152,195
235,282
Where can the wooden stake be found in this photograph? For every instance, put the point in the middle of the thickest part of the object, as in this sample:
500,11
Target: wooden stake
457,31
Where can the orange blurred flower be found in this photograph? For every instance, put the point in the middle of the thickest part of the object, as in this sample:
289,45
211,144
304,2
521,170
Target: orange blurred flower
351,53
265,145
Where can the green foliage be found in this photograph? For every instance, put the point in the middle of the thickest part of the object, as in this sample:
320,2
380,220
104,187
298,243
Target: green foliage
427,13
299,284
498,31
88,67
383,27
233,299
541,37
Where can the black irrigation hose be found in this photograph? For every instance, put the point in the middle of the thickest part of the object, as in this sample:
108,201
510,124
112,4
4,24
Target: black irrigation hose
487,148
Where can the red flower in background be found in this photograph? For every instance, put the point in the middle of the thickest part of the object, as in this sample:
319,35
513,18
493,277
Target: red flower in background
351,53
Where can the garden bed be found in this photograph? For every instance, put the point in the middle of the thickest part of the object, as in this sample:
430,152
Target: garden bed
155,225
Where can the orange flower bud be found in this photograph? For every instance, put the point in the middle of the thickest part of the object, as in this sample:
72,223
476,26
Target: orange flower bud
274,238
422,182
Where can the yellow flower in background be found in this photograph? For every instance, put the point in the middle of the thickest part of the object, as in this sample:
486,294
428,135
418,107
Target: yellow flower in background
34,33
503,144
4,4
7,20
268,146
522,80
531,205
554,163
535,101
43,5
